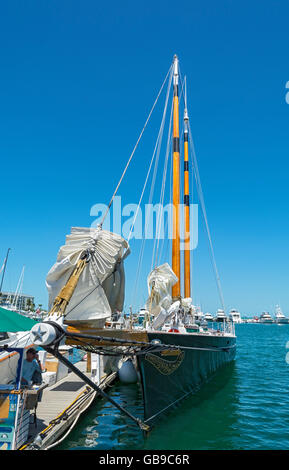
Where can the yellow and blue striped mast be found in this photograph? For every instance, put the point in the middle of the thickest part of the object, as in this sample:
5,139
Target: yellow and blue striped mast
176,259
187,261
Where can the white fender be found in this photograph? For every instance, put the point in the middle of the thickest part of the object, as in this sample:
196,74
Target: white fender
127,373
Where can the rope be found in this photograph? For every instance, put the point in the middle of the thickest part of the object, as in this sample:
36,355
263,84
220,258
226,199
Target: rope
202,201
157,147
87,295
141,344
156,244
167,240
73,424
157,153
157,252
135,147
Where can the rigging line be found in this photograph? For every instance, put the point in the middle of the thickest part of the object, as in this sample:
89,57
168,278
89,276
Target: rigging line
18,289
157,147
156,243
155,255
192,228
87,295
171,170
201,197
159,249
135,147
139,345
156,168
167,240
150,200
144,238
184,94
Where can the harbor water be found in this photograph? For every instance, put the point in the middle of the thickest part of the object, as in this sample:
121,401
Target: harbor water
244,406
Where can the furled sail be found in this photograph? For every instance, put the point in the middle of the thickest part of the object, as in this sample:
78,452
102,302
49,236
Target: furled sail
160,282
100,289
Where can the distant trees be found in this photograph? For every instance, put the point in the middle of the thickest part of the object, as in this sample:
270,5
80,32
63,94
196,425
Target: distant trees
30,305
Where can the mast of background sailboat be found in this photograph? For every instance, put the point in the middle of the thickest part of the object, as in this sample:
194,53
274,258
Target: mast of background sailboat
187,272
176,262
4,269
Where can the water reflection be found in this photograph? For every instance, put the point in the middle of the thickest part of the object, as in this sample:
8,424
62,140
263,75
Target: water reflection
104,427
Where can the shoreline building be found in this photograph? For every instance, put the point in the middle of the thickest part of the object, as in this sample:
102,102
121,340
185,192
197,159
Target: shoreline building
21,302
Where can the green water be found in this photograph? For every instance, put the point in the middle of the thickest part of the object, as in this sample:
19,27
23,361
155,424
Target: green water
244,406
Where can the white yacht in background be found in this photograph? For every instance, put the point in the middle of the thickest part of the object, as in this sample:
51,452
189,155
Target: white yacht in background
279,316
265,317
235,316
198,314
208,317
220,316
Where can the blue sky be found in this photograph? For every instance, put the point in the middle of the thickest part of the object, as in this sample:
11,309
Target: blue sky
77,82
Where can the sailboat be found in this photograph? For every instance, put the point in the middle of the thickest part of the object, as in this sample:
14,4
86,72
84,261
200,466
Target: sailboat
11,303
86,285
280,318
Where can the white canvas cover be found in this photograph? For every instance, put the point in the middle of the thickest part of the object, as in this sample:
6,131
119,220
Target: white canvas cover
101,285
165,315
162,278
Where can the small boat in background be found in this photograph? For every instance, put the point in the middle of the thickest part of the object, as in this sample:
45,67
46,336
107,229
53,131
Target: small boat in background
280,317
208,317
235,316
198,314
265,317
220,316
256,319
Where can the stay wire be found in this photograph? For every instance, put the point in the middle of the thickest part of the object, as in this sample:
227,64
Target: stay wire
136,145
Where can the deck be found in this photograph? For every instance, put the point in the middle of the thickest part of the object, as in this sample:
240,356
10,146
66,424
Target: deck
60,407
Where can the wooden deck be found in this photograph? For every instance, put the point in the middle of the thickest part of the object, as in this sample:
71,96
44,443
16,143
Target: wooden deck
61,404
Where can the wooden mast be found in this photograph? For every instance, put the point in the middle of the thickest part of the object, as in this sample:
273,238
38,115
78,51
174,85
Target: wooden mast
176,261
187,271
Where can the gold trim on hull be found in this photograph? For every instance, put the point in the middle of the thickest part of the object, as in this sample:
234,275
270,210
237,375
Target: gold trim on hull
129,335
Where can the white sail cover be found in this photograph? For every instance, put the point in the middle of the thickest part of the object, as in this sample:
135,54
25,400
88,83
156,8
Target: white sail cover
162,279
100,289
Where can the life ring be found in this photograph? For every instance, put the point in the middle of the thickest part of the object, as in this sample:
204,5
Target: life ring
173,330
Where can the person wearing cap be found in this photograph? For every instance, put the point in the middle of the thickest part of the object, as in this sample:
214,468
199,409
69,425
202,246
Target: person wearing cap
30,365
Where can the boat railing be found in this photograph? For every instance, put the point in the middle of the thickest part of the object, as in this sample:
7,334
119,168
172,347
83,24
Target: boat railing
228,327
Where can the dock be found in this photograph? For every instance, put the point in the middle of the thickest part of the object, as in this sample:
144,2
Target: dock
61,406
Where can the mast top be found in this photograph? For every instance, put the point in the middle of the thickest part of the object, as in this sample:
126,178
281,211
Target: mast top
176,69
186,116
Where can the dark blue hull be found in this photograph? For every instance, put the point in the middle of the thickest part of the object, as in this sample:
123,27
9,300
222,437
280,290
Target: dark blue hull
169,376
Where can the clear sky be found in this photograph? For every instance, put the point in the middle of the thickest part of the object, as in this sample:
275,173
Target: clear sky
77,82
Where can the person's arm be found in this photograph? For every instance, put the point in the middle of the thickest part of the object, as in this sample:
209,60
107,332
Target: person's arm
38,362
